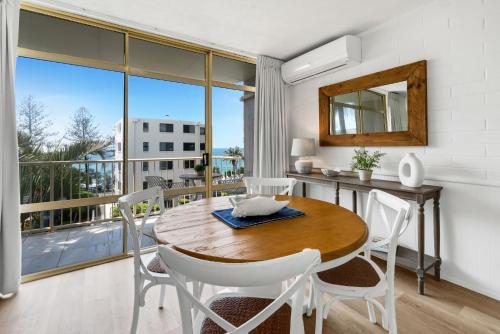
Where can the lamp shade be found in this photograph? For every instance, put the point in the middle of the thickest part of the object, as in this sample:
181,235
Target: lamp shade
302,147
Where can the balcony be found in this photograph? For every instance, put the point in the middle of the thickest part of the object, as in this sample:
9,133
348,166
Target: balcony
69,214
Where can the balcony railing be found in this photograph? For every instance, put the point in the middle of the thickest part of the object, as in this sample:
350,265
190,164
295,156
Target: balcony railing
62,194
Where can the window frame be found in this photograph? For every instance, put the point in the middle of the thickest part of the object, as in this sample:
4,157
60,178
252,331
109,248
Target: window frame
189,127
169,127
167,146
125,162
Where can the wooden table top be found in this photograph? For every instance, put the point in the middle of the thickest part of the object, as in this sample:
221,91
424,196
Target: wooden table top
192,229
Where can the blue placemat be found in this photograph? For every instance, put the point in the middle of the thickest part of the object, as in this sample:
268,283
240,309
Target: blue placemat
224,215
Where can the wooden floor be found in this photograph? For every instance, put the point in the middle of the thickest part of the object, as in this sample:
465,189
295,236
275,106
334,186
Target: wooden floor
99,300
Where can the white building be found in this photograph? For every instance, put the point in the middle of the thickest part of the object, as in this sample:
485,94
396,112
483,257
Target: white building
151,142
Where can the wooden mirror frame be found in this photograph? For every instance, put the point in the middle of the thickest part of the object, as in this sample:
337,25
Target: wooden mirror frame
414,74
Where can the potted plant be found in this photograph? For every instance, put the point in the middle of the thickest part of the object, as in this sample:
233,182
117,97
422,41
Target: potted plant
365,162
199,169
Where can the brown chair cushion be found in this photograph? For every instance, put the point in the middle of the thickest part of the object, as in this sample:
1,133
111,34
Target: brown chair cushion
238,310
357,273
155,266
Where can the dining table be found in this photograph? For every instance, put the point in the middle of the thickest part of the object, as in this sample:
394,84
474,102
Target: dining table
338,233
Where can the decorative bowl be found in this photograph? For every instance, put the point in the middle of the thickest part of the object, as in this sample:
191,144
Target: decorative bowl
329,172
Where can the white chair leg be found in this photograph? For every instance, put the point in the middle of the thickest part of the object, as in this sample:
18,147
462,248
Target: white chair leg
391,314
385,321
310,300
371,312
319,311
162,296
137,300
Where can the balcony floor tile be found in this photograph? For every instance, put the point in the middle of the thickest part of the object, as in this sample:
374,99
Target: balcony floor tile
46,251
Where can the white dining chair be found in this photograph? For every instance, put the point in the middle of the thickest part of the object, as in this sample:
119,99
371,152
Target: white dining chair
149,270
263,185
361,278
240,312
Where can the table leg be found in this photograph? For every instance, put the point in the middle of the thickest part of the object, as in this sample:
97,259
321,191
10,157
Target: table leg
354,201
337,191
437,239
304,189
421,248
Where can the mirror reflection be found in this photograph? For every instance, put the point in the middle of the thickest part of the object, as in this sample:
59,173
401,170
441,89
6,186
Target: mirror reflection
379,109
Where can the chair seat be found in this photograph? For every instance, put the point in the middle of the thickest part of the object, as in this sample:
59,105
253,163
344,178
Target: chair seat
238,310
357,273
155,265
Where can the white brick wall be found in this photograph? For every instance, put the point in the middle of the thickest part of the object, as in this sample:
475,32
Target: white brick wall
461,41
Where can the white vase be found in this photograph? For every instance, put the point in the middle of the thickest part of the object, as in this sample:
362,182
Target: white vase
411,171
365,175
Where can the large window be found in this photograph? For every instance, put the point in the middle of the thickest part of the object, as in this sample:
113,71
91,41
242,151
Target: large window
69,149
73,76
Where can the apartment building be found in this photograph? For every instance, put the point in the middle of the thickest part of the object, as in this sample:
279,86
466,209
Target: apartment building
159,147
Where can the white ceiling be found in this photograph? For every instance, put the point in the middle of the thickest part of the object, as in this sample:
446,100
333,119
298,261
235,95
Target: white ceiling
277,28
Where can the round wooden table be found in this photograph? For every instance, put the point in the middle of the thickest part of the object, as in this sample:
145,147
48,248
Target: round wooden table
336,232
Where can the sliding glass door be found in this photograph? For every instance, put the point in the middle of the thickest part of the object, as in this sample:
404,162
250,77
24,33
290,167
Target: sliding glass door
105,111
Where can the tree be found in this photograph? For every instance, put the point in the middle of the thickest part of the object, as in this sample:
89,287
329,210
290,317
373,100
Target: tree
83,127
32,120
234,152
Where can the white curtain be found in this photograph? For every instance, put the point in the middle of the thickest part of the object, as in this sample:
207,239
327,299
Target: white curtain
397,108
10,233
271,140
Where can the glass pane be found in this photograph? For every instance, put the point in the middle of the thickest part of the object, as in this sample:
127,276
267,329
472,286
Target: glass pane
233,71
45,33
176,116
165,59
372,100
69,149
232,145
350,98
373,121
345,120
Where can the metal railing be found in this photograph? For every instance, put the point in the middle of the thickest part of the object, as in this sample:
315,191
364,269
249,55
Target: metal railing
62,194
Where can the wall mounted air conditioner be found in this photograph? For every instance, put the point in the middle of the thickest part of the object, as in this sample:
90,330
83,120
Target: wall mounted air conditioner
335,55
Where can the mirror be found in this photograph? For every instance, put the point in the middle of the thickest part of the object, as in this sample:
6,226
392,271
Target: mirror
387,108
379,109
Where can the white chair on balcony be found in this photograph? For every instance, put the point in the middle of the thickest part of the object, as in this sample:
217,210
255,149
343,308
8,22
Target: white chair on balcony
231,312
149,270
264,185
361,278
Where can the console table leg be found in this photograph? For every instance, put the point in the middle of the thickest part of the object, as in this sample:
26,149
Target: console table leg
437,239
421,248
354,201
304,189
337,191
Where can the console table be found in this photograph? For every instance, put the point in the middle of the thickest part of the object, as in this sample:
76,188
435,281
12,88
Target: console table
416,261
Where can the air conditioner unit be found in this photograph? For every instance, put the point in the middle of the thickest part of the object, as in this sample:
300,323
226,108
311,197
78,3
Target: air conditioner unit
335,55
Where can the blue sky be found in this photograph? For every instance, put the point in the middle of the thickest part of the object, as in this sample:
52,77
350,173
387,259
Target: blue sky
62,89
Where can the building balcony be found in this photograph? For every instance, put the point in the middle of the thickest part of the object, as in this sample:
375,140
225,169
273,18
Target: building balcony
69,214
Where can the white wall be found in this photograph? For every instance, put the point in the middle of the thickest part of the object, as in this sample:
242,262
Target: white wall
460,39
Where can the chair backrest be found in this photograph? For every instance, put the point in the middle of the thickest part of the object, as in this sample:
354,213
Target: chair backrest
298,266
262,185
154,196
402,209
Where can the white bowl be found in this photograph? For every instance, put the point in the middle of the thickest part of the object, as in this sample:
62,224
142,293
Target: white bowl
329,172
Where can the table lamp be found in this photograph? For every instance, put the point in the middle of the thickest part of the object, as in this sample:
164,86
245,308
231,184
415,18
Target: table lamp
303,147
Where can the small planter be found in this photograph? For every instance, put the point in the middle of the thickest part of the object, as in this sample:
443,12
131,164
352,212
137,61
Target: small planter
365,175
200,173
